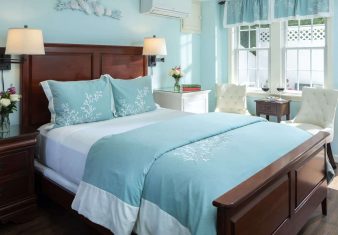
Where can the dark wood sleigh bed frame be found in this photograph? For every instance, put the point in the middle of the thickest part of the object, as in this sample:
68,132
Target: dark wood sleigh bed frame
277,200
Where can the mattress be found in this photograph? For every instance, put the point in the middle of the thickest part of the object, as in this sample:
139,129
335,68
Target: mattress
62,152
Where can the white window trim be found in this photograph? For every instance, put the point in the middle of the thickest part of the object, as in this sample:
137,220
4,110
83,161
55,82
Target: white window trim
328,81
277,54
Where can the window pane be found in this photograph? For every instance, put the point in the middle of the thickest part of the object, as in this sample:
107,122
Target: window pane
252,78
292,36
293,23
263,59
264,38
291,80
305,36
305,22
253,38
291,60
244,39
252,59
242,77
263,78
304,59
244,27
317,79
318,59
319,21
243,60
304,79
318,36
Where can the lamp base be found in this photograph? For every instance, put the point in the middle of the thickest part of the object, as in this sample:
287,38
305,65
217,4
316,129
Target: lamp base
152,60
5,63
5,60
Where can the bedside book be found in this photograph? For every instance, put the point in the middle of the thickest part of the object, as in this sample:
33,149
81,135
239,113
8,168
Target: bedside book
191,87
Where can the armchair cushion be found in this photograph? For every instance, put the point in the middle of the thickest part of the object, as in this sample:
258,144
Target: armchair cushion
318,107
312,129
231,99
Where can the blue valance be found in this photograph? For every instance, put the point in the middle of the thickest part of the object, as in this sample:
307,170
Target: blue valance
239,12
245,12
302,8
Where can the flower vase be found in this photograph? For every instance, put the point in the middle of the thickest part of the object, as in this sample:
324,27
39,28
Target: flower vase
4,123
177,87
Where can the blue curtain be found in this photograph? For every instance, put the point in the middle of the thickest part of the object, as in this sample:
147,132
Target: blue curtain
239,12
302,8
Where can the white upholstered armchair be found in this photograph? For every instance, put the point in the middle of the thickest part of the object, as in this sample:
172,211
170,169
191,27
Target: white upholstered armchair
317,113
231,99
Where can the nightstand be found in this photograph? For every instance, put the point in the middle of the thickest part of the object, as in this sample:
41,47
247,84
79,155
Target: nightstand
192,102
17,193
277,108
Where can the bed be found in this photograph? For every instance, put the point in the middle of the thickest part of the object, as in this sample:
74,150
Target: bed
277,199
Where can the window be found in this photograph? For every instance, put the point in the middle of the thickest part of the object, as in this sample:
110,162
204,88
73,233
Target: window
305,53
252,53
294,58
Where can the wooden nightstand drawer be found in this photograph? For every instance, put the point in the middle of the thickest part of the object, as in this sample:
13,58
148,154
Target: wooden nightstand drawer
14,162
277,108
15,189
267,108
17,196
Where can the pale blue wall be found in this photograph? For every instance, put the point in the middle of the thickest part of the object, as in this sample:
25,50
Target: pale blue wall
214,49
76,27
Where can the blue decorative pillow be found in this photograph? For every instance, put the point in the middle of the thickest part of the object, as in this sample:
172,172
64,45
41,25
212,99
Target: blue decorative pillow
78,101
132,96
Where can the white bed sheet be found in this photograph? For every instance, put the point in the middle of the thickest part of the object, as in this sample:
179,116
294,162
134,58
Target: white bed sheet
62,152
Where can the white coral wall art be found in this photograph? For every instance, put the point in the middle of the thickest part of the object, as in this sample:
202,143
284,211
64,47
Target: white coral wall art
89,7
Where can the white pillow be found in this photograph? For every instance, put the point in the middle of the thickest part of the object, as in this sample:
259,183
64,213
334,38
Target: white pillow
231,98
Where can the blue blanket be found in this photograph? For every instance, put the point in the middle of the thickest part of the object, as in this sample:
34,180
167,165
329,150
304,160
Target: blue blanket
179,167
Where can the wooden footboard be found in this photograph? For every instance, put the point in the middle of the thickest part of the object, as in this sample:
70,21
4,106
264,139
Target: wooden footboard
280,198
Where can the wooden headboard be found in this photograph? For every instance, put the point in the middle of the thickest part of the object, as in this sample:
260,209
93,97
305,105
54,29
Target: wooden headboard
71,62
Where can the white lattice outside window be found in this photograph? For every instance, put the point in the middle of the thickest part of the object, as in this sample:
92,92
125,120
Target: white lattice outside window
305,50
252,55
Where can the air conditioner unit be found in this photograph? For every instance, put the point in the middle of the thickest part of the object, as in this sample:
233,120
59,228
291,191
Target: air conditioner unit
168,8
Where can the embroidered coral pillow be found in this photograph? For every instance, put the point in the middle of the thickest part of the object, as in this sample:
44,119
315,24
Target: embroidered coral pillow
132,96
78,102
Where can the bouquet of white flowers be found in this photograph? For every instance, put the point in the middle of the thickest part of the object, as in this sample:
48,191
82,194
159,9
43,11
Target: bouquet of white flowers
8,101
176,72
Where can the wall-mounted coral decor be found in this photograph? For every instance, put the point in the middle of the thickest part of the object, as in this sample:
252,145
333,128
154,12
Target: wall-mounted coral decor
89,7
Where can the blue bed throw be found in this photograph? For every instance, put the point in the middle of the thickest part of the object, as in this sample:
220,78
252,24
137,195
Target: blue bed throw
162,178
